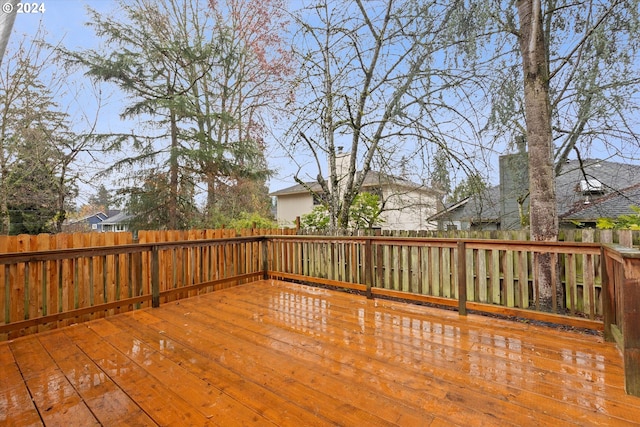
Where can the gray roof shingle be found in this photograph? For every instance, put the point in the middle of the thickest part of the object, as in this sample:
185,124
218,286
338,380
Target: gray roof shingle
620,190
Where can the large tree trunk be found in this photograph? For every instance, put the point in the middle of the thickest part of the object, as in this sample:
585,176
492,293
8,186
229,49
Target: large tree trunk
543,211
173,174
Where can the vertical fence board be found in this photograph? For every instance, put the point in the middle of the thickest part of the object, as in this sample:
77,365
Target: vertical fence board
33,288
63,278
386,266
414,262
404,268
523,279
379,265
508,282
42,280
588,277
481,287
420,262
572,283
472,274
109,263
495,277
19,293
96,293
436,281
446,274
124,290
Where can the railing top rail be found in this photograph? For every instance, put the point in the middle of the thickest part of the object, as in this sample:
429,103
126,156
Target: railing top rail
487,244
93,251
70,253
521,245
583,248
619,252
205,242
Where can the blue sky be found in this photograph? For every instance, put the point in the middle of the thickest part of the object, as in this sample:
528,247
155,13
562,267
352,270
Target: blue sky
65,22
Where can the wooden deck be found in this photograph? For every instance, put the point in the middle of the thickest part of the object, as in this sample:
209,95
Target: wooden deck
275,353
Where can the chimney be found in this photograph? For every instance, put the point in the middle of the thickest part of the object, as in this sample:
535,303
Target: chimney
342,164
514,185
342,167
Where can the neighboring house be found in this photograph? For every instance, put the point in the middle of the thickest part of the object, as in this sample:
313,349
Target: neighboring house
118,222
407,205
113,220
84,224
585,191
609,206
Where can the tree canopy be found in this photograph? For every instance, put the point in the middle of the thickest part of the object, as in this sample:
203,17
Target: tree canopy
424,90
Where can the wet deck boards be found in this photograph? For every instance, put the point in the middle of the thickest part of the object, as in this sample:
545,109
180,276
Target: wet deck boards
278,354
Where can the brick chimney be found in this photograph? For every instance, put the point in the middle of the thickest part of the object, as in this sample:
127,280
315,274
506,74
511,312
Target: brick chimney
342,164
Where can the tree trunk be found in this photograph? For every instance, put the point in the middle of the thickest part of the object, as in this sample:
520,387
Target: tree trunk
543,211
173,174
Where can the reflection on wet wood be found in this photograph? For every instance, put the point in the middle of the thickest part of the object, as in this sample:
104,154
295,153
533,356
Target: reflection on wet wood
275,353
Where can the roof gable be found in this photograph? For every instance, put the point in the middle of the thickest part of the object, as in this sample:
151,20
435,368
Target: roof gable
373,179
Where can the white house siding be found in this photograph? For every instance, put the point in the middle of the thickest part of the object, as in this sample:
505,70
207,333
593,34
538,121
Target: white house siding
291,206
409,210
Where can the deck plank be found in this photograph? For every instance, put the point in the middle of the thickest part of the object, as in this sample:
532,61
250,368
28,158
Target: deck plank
57,401
281,411
501,401
156,398
274,353
207,399
110,404
555,396
16,406
421,396
275,371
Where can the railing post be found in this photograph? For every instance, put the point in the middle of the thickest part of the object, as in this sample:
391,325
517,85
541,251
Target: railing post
368,262
631,322
155,277
265,258
462,278
608,307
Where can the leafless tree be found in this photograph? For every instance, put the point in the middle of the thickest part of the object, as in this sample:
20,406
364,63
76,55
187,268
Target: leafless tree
375,80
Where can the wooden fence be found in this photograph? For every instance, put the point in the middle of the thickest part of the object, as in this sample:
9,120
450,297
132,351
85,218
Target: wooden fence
626,238
485,275
51,281
91,275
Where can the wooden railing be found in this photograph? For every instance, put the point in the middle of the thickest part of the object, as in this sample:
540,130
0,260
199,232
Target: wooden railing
47,289
489,276
484,275
44,289
622,309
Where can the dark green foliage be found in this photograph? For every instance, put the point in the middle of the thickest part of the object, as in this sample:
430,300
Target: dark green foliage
474,184
183,73
32,203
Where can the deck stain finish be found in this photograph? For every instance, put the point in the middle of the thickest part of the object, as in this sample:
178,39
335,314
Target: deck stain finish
272,353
